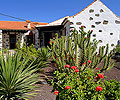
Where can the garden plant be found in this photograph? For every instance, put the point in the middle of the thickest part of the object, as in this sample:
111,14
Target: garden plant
17,78
40,57
79,75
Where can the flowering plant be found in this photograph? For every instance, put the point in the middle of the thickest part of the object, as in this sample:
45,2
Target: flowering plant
74,85
78,76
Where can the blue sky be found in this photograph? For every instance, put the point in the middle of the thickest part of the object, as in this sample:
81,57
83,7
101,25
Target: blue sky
48,10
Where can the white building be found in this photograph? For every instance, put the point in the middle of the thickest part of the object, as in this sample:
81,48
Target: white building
99,18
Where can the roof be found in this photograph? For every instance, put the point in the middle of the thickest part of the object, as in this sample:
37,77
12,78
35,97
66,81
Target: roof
59,21
16,25
89,6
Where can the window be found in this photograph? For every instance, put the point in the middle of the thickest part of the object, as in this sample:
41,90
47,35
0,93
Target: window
71,27
118,43
91,11
105,22
101,10
100,41
100,30
112,45
97,15
78,23
90,18
117,22
111,33
71,23
94,35
92,26
97,23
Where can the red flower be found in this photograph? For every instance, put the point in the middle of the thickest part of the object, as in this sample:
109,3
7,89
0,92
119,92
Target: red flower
83,63
99,88
97,77
82,26
53,42
89,61
76,70
55,64
68,66
49,42
88,78
67,87
73,58
56,92
96,68
91,30
66,75
73,67
100,75
85,37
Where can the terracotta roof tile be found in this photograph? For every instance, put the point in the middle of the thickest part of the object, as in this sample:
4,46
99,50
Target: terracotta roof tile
16,25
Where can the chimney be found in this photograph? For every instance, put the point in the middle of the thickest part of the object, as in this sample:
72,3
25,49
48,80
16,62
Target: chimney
28,23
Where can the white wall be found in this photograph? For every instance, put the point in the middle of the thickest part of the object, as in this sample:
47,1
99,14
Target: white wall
107,15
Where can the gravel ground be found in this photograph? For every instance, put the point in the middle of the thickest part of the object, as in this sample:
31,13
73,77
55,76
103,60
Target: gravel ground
44,93
114,73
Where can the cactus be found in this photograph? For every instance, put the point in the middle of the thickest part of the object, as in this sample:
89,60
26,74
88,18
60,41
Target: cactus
76,49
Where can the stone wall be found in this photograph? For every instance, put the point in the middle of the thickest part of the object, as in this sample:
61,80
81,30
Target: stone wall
6,38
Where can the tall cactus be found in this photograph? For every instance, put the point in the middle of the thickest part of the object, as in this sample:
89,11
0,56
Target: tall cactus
77,49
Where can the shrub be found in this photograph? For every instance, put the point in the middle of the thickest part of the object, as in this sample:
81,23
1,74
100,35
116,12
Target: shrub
112,90
16,77
40,56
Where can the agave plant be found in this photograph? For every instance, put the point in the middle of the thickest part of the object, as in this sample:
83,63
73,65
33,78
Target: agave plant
16,77
44,53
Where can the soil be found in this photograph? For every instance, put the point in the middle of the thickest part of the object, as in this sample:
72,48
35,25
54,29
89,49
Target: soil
45,90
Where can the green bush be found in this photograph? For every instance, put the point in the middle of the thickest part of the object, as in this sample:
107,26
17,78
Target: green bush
40,56
112,90
16,77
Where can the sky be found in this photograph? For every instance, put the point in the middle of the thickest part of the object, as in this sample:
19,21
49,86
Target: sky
48,10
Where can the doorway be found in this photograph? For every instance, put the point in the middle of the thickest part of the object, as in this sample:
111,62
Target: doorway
12,41
47,37
29,40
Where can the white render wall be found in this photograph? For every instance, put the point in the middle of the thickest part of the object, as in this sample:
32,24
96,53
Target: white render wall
107,15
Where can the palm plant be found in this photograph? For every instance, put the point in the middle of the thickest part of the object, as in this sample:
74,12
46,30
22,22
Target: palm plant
16,77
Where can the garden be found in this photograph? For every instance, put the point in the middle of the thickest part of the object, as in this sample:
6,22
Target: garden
70,68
